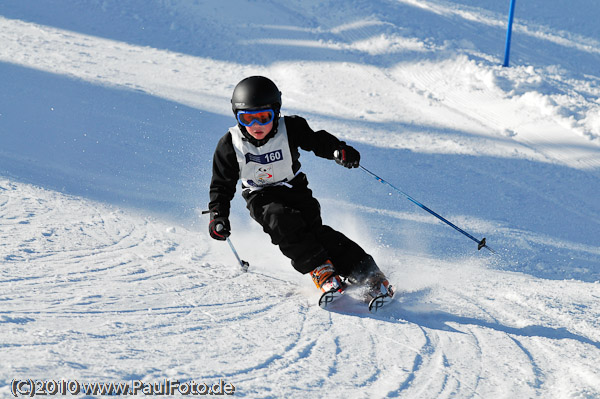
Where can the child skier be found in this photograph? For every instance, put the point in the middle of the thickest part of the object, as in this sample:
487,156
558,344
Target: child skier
262,151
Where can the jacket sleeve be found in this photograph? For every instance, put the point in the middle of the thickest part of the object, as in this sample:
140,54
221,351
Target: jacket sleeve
225,175
322,143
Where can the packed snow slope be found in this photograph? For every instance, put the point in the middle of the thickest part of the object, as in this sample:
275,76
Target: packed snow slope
110,112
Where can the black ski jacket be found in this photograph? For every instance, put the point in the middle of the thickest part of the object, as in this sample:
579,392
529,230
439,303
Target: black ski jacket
226,171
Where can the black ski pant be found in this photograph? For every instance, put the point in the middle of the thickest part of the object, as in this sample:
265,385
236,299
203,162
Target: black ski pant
292,218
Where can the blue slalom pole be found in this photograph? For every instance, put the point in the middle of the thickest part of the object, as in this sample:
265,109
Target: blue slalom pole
511,14
480,244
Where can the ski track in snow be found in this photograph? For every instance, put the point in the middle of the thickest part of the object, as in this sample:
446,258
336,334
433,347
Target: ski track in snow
140,298
94,291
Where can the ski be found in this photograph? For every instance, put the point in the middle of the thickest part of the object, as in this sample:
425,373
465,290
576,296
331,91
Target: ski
379,301
328,297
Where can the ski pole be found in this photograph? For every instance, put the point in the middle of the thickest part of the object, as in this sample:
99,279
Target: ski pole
243,264
480,244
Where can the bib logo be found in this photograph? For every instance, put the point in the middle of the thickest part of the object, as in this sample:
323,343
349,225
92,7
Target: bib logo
261,169
263,174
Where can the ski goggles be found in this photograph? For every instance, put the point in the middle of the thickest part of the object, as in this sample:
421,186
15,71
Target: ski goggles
262,117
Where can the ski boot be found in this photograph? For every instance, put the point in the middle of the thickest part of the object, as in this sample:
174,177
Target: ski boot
325,278
328,282
377,285
379,291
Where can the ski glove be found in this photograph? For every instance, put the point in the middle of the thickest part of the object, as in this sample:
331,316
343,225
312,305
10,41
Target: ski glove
219,228
347,156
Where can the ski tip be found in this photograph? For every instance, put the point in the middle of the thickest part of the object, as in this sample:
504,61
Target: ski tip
327,298
378,302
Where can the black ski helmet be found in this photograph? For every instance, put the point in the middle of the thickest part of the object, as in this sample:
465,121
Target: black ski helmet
255,92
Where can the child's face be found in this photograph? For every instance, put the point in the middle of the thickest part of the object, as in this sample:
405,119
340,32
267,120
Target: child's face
259,132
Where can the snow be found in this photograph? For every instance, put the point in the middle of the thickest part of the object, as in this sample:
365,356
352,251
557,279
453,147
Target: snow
110,112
